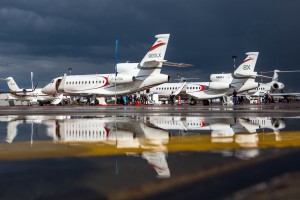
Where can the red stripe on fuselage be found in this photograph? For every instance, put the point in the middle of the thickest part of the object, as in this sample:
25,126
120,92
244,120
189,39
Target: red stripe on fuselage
202,87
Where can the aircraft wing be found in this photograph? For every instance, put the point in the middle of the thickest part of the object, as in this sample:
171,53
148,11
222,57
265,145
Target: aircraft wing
179,89
284,94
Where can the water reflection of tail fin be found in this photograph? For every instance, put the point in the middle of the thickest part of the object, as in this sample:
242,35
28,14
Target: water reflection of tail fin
158,161
11,131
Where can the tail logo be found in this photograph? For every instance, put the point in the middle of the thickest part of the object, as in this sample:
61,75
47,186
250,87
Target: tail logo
246,67
246,60
156,46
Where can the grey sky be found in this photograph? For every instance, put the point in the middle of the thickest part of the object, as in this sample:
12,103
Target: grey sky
47,37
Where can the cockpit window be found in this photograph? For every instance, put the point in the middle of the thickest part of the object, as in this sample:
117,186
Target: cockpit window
52,81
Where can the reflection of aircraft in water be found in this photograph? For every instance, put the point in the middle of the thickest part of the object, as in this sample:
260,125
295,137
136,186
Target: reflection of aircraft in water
149,135
123,133
218,126
242,131
13,121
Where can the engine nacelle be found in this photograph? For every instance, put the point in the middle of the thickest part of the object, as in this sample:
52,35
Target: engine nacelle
278,124
227,78
162,78
121,79
218,85
277,85
153,80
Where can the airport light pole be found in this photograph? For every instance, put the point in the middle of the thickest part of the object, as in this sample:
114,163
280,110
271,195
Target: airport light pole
116,70
234,57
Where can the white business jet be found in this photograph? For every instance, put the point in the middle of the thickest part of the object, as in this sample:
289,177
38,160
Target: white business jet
33,95
274,88
242,79
129,78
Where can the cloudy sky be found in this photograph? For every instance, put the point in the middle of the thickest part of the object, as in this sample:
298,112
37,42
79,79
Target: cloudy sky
47,37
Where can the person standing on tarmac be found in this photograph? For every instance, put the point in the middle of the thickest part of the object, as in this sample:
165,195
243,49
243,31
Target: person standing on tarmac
234,97
172,97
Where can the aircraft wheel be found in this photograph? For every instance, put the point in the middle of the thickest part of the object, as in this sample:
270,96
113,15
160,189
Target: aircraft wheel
193,102
205,102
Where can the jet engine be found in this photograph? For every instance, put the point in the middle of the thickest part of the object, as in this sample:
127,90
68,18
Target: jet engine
218,85
278,124
277,85
221,78
121,79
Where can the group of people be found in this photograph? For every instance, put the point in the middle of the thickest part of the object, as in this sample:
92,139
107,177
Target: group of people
135,99
237,99
267,98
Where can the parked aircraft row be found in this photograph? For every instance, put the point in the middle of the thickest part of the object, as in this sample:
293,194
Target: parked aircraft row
241,80
130,78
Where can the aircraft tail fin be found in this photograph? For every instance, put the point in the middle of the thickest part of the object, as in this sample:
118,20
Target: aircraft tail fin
246,69
155,56
275,75
12,85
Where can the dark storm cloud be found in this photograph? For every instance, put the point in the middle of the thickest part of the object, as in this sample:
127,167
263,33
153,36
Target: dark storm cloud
47,37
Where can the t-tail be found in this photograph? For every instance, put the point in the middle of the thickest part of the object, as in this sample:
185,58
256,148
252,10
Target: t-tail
12,85
246,69
155,56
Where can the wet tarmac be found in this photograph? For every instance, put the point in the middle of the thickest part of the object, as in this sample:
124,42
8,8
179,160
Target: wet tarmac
150,152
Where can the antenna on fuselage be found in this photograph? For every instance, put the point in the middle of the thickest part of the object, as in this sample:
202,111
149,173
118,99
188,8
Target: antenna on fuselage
116,69
261,76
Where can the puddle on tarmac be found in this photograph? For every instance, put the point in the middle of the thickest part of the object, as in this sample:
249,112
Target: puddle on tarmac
116,152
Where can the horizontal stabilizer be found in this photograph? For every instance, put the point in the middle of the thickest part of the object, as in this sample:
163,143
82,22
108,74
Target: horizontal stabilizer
177,64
